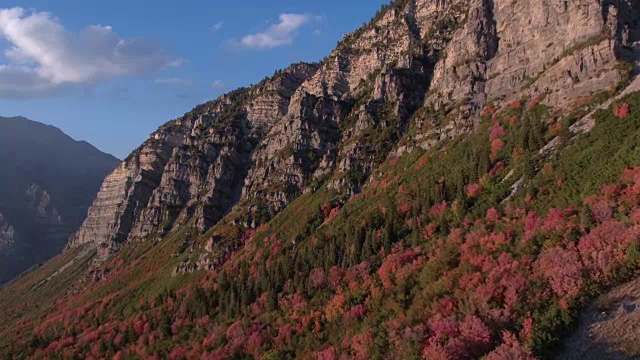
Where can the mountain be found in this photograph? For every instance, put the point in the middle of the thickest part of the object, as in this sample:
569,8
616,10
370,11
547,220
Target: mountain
457,179
47,183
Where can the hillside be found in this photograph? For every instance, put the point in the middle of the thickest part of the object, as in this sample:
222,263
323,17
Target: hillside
46,186
456,180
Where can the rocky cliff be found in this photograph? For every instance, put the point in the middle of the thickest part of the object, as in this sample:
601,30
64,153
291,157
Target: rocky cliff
47,184
382,91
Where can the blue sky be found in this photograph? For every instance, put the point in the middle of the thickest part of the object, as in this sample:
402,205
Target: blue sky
111,72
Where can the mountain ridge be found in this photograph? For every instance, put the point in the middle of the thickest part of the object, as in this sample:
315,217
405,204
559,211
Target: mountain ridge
56,129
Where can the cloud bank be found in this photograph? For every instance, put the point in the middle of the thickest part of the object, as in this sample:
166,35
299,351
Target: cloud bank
44,57
280,34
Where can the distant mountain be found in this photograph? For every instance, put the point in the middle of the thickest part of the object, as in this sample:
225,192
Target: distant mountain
47,182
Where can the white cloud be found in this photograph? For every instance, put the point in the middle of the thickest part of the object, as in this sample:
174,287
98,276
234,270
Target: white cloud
44,56
218,26
218,85
176,63
279,34
172,81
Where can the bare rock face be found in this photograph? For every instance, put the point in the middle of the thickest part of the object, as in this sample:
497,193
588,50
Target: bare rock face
7,236
191,170
567,51
39,202
254,150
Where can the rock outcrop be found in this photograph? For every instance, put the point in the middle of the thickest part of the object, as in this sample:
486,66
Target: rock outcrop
253,150
7,236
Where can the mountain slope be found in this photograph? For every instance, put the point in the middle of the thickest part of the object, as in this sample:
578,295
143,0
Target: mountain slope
47,183
429,190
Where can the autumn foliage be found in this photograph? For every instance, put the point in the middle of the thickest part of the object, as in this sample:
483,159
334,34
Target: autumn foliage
622,110
430,261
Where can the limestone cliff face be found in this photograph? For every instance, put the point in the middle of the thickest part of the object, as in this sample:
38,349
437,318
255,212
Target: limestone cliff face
253,150
569,48
191,170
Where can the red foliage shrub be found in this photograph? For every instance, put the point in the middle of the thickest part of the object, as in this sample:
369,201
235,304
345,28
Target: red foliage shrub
435,351
318,278
488,111
423,161
360,345
443,327
177,325
473,190
497,168
295,303
554,222
611,191
527,329
631,176
398,266
510,349
335,307
438,210
247,235
326,354
404,209
334,212
326,209
510,119
564,269
622,111
601,207
497,132
356,312
496,146
335,275
475,335
532,223
285,333
429,231
493,215
515,105
605,246
457,340
179,352
254,343
236,335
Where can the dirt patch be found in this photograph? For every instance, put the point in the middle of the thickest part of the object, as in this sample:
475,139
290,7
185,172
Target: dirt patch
609,328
